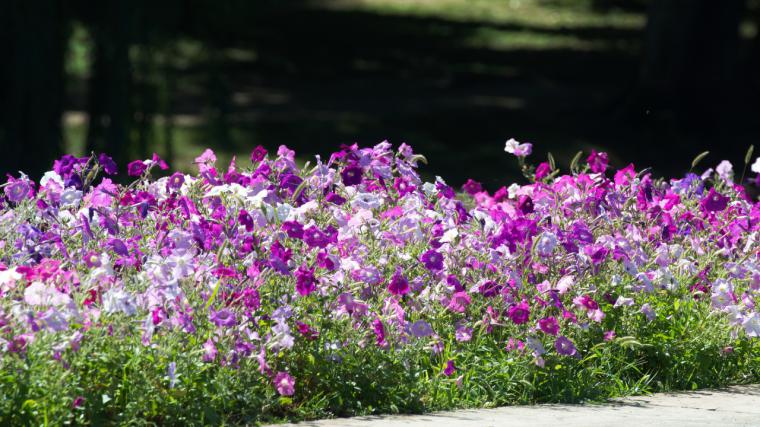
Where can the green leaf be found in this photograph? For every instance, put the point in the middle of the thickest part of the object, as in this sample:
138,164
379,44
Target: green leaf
576,159
698,159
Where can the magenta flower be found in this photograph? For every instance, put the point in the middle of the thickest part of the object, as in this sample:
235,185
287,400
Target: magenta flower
459,302
293,229
433,260
379,330
519,313
542,171
597,161
284,384
549,325
314,237
472,187
258,154
714,201
136,168
398,285
565,347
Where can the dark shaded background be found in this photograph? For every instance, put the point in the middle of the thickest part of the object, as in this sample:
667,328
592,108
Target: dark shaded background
653,83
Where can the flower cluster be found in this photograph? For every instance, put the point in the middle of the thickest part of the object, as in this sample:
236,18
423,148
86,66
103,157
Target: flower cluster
255,260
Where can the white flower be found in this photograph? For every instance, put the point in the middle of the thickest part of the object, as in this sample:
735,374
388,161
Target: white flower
756,166
725,170
511,146
512,190
751,325
117,300
40,294
70,197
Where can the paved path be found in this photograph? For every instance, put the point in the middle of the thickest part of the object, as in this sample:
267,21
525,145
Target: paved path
734,406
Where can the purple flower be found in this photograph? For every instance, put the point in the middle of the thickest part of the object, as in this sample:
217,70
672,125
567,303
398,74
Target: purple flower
421,329
284,384
209,351
549,325
565,347
244,218
519,313
136,168
352,175
597,161
175,181
398,285
450,368
433,260
223,317
597,253
714,201
305,281
109,166
17,190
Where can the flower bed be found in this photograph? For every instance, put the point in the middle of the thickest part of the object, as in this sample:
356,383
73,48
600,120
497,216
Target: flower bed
349,286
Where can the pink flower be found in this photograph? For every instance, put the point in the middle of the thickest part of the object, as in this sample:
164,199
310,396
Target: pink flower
459,302
284,384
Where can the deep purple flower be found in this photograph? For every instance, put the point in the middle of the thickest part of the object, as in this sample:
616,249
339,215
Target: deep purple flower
549,325
305,281
565,347
258,154
109,166
314,237
525,204
379,330
450,368
352,175
519,313
472,187
136,168
433,260
284,384
223,317
335,199
17,190
597,161
398,285
244,218
714,201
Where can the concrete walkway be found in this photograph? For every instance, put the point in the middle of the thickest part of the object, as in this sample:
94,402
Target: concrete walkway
734,406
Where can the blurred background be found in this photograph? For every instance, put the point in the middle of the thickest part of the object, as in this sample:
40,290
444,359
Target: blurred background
650,82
